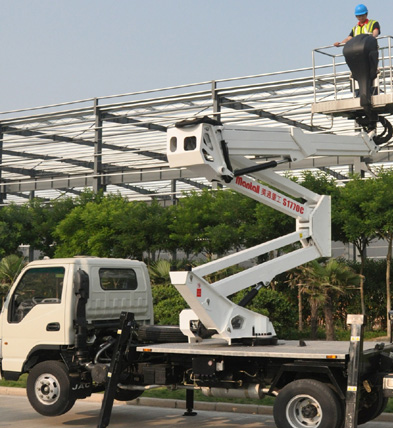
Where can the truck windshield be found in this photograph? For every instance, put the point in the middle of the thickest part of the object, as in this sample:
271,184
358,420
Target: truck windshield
37,286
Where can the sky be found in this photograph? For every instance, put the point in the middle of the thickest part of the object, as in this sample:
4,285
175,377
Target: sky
57,51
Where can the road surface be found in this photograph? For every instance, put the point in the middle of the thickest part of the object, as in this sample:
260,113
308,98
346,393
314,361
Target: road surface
15,411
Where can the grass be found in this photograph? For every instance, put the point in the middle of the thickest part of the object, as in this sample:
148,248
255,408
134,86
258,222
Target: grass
20,383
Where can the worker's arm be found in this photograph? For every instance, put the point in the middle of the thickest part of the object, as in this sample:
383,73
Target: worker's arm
376,32
345,41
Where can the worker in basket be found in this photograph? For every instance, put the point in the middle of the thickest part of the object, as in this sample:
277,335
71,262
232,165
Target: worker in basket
364,25
361,55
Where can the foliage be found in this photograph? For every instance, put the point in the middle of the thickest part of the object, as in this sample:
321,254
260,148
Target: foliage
355,225
43,219
211,222
320,183
381,209
168,303
14,225
269,224
323,283
274,304
113,227
159,272
10,267
374,290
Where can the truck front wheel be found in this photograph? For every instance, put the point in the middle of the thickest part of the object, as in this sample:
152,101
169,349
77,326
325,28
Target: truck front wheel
49,389
307,403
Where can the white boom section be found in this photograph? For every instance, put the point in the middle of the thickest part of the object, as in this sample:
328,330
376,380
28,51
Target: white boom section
230,154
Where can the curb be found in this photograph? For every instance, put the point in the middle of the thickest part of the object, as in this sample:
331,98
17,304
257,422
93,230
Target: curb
204,405
166,403
181,404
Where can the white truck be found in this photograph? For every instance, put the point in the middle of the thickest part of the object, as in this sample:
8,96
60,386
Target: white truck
60,321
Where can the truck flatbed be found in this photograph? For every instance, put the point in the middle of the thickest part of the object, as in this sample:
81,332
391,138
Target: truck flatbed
337,350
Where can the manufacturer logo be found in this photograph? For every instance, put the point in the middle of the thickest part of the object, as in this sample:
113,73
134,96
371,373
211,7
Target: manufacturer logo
81,385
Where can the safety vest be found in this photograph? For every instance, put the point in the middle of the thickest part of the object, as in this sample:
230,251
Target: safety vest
364,29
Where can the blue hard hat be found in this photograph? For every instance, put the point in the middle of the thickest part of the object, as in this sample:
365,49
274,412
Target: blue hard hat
360,9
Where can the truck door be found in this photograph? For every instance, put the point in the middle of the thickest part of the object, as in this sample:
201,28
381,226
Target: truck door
34,315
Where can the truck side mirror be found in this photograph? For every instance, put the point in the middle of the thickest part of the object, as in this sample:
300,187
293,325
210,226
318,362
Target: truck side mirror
81,284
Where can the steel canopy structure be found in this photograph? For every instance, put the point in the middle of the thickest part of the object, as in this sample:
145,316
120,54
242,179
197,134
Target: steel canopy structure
117,143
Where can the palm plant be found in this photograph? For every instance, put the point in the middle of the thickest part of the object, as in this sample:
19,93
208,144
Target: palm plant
10,267
321,282
159,272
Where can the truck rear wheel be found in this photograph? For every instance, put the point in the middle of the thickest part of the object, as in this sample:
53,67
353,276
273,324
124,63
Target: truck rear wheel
49,389
307,403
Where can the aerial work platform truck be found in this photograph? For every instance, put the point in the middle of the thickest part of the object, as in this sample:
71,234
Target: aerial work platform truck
60,321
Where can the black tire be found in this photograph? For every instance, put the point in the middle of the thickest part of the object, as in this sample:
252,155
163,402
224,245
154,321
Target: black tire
127,395
307,403
49,389
373,409
161,334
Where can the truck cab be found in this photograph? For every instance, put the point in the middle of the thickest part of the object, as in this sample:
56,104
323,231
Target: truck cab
44,313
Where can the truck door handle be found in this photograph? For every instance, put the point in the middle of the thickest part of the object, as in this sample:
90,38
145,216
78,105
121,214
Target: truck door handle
53,326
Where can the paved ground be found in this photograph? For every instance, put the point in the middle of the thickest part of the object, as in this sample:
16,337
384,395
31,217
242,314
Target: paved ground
15,411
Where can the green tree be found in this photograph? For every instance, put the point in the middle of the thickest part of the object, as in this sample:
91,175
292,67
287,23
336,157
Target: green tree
88,229
319,182
15,225
374,271
143,228
211,222
269,224
113,227
353,222
380,208
43,219
300,278
323,282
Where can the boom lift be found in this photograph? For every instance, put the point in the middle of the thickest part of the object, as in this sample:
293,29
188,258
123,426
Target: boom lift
232,155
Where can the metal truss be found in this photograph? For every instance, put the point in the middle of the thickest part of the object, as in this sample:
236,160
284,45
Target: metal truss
118,143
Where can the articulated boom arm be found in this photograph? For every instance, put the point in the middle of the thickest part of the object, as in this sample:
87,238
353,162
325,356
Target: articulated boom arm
232,155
